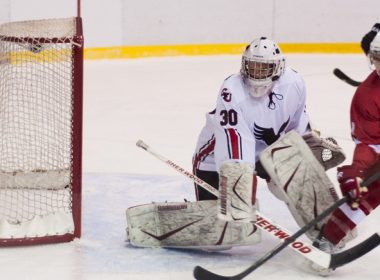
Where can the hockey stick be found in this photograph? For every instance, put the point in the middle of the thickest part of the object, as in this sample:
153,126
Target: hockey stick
338,73
308,251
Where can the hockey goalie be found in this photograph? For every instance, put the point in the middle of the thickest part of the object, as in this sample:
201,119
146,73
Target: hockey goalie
257,109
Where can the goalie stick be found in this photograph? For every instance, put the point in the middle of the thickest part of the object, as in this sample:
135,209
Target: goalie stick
308,251
339,74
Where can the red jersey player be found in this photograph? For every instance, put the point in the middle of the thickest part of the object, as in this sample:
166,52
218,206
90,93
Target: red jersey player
365,129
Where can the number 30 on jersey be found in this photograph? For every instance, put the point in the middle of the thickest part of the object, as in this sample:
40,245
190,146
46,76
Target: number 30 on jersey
229,117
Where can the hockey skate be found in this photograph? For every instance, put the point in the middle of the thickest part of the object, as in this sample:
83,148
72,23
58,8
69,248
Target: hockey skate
324,245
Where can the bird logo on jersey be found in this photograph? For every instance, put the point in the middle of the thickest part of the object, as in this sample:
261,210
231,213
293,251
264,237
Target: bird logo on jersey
226,95
267,134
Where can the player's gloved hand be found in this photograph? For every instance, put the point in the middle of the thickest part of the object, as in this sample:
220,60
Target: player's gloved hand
350,178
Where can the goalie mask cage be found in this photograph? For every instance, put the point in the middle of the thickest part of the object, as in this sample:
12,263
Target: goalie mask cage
41,89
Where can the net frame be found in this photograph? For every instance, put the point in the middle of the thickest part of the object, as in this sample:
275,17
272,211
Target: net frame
75,168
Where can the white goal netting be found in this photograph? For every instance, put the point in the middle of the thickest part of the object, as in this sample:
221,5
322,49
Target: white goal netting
36,127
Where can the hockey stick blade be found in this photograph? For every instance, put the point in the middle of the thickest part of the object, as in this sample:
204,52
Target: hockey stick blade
200,273
339,74
355,252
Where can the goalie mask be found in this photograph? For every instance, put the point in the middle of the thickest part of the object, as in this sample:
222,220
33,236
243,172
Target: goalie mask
262,63
374,53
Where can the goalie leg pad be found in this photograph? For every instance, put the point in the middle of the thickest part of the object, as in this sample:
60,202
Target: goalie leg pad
237,186
300,180
192,225
276,191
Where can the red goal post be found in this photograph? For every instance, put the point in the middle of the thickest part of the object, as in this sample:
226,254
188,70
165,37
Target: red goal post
41,101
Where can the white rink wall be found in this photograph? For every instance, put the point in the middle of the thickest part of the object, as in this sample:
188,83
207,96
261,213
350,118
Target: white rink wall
171,22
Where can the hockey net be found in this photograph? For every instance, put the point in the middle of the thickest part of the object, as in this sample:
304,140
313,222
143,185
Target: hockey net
41,73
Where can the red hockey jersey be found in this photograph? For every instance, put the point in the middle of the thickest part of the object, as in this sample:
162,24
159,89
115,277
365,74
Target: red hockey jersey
365,111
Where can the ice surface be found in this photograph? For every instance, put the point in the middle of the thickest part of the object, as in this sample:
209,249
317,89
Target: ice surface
163,101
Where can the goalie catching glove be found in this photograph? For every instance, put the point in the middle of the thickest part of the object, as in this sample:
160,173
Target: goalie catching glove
325,150
237,186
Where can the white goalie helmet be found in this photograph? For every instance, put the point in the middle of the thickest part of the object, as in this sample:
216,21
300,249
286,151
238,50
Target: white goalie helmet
374,53
262,63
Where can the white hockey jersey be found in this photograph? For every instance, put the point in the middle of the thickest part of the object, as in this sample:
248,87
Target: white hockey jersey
242,126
